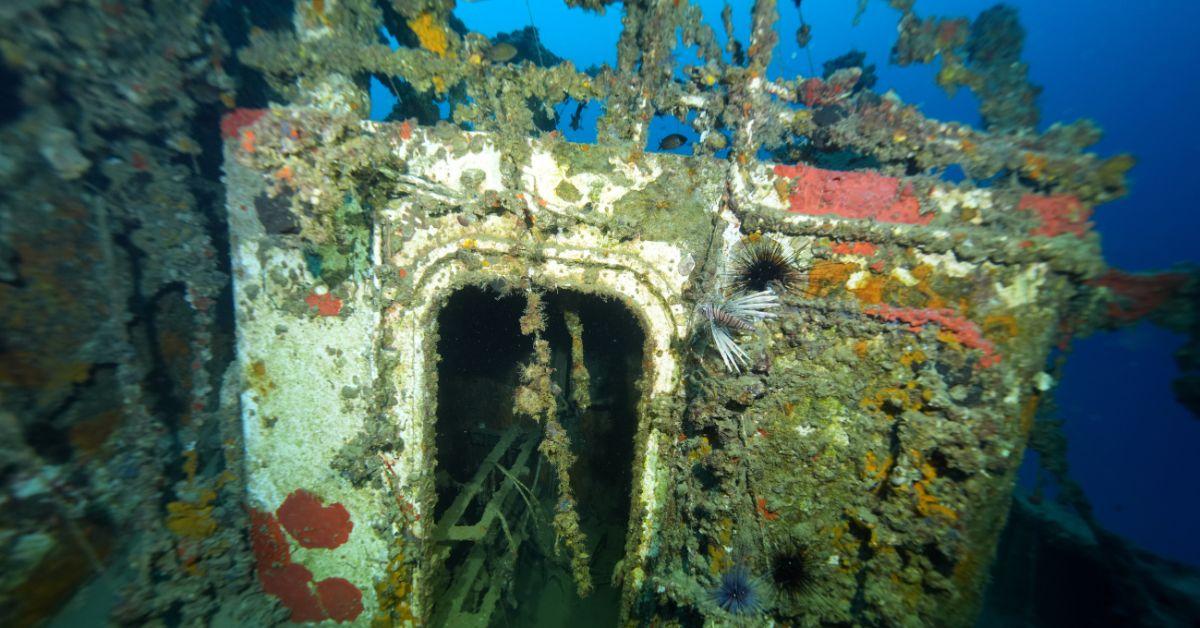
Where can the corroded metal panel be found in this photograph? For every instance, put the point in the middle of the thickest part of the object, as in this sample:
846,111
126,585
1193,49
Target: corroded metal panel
337,387
878,428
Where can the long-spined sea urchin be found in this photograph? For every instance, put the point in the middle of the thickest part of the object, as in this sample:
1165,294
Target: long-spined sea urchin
793,570
737,593
761,263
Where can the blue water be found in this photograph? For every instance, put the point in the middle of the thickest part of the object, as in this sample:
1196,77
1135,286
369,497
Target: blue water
1132,69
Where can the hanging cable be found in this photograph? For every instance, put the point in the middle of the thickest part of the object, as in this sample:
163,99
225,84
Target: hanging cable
803,37
537,34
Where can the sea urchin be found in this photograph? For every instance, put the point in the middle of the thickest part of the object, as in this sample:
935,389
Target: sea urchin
737,593
762,263
792,571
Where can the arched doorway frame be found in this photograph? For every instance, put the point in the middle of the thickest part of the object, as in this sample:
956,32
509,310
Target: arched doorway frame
637,280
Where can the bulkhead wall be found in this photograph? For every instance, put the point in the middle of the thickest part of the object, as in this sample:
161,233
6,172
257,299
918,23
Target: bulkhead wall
337,334
873,436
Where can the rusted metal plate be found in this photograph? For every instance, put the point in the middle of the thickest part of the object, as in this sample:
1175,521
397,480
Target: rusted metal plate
876,430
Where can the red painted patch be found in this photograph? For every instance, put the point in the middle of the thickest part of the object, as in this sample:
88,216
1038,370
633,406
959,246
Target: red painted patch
865,249
325,304
333,598
1059,214
769,515
312,523
290,583
341,600
267,540
1139,295
816,92
238,118
858,195
248,141
964,331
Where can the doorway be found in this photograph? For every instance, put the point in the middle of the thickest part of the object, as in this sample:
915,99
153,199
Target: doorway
497,563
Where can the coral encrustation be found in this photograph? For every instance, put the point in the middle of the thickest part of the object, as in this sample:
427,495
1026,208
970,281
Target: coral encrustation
963,330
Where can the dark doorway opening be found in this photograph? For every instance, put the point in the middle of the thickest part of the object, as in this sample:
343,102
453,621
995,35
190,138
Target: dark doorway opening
497,563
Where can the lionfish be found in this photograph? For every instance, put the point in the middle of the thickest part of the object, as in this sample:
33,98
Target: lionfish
740,312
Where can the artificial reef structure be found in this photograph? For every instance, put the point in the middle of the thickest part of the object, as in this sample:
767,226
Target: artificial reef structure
453,369
868,430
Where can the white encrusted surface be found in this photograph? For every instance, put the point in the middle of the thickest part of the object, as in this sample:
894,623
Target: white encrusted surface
297,371
308,380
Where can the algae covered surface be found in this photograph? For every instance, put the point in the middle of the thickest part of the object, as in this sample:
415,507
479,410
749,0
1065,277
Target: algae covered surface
230,303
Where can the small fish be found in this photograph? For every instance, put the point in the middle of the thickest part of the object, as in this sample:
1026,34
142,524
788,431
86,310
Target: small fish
803,35
577,117
672,142
828,116
501,52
